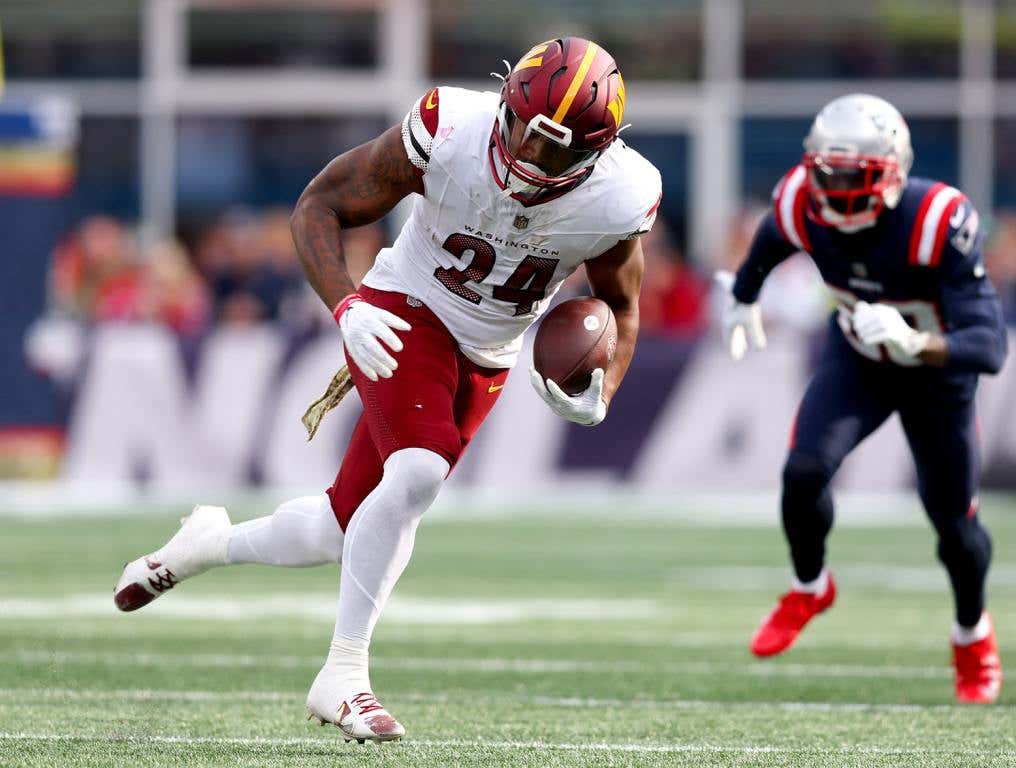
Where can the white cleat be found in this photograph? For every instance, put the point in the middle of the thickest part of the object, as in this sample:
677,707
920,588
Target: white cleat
200,544
359,716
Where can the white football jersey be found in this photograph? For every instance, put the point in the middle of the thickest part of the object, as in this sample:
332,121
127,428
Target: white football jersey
488,265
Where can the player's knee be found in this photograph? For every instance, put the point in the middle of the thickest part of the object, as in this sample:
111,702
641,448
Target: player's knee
805,473
309,523
963,539
416,474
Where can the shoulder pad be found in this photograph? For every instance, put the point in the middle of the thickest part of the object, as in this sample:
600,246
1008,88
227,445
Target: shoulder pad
789,200
648,219
420,127
635,194
930,227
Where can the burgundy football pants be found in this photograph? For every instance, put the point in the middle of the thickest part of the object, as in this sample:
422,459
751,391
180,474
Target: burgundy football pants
436,399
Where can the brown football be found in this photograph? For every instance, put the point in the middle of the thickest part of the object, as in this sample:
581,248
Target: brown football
574,339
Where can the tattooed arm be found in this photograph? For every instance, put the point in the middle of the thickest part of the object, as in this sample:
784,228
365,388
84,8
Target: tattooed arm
357,187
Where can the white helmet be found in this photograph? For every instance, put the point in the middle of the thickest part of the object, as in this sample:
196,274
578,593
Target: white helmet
858,155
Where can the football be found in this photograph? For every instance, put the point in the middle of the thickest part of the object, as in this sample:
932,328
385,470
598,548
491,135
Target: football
575,338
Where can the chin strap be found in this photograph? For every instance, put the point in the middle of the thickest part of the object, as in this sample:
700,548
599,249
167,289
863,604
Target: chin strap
517,186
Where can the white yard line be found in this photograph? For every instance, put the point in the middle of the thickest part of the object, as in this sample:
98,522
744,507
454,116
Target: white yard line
490,665
582,500
68,631
877,576
27,696
321,606
496,744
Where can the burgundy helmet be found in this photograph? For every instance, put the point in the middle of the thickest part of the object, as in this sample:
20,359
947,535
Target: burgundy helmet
561,107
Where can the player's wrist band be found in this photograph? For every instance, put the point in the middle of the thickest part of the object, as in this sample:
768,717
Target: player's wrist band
343,305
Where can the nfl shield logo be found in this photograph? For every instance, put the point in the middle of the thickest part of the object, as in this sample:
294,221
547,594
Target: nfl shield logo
521,222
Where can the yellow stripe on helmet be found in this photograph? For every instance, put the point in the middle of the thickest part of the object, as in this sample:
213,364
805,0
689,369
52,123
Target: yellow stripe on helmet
573,88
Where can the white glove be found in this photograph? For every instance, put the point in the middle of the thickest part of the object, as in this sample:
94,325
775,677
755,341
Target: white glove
882,324
364,327
742,323
586,408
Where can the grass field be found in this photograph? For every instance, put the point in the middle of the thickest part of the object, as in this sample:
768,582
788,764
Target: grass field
510,642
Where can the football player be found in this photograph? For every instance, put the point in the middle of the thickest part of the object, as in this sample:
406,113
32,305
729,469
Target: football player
917,323
512,192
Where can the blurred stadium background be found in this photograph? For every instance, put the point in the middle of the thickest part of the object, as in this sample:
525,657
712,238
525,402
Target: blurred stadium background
158,333
159,345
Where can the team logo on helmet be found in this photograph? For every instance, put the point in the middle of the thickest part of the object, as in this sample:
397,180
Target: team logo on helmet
616,105
533,58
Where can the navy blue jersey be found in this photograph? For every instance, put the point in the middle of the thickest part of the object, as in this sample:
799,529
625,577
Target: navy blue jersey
922,257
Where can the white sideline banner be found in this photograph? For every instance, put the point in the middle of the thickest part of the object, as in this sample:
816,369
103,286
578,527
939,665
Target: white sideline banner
140,418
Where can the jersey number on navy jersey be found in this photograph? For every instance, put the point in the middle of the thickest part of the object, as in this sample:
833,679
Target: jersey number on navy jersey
523,288
921,315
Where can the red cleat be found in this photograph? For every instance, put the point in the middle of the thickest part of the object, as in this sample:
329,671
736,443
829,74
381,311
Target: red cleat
780,629
978,670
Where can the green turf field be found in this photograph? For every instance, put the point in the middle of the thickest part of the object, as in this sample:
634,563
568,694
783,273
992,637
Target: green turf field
528,642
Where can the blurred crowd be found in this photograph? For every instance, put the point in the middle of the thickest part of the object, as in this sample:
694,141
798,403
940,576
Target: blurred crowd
242,269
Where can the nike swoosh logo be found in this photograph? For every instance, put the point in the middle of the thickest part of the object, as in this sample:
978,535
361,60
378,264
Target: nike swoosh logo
494,388
430,100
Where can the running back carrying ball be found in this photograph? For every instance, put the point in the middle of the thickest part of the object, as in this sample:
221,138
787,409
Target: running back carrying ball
575,338
551,135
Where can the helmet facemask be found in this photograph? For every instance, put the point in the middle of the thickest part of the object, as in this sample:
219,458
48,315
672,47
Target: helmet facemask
536,158
849,191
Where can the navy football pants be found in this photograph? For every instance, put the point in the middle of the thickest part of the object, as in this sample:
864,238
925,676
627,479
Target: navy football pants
847,400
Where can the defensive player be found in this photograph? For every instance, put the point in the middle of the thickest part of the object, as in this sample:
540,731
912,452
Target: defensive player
917,323
513,191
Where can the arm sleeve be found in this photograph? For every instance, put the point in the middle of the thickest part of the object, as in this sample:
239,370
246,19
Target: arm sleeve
768,249
975,331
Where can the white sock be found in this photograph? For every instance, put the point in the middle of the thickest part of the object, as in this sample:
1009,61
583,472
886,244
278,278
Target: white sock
817,586
301,532
347,665
968,635
378,544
